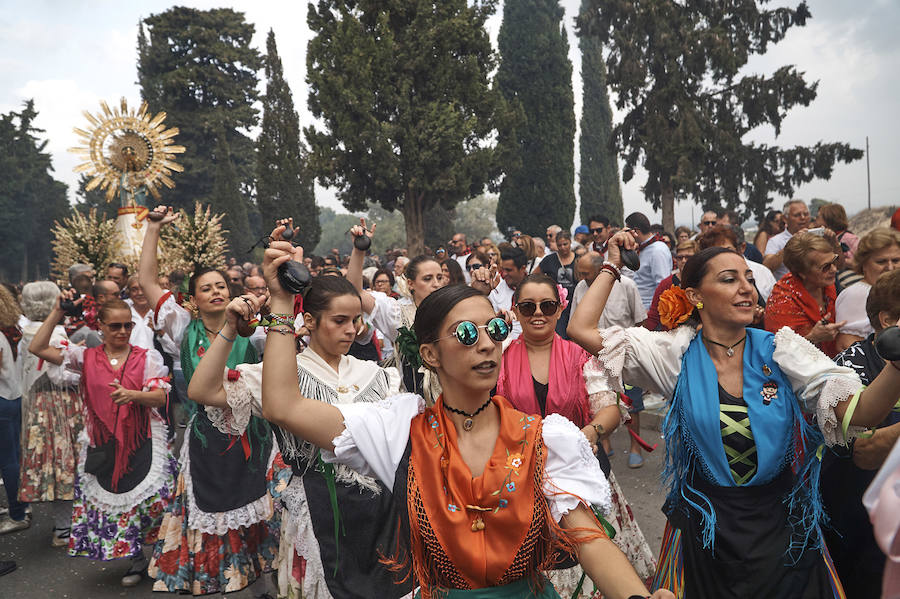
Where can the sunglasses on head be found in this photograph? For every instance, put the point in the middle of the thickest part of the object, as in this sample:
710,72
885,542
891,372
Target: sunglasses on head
474,266
118,326
548,307
467,331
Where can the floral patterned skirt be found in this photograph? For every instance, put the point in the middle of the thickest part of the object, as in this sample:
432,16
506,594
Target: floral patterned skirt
108,526
52,419
187,560
629,539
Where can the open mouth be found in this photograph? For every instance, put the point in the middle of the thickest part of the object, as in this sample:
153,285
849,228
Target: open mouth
486,366
746,304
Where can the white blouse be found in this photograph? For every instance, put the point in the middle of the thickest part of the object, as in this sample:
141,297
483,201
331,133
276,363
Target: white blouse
376,436
851,306
155,371
652,360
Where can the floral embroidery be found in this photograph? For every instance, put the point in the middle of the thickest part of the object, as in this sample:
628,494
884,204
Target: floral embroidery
514,462
510,486
503,503
452,507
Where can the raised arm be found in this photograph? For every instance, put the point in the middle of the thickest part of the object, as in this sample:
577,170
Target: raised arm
40,343
282,404
148,267
206,386
583,323
355,268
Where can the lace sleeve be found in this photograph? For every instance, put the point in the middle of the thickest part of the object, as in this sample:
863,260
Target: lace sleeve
818,383
243,392
598,396
572,474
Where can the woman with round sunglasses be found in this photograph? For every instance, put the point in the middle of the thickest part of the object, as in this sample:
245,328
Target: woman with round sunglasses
744,509
542,373
313,561
126,471
484,493
220,533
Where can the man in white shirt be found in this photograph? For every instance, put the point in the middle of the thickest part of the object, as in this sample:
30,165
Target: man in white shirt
512,271
623,308
552,230
141,315
796,219
656,259
459,248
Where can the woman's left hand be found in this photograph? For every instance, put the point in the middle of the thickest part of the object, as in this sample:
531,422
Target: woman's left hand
591,433
120,394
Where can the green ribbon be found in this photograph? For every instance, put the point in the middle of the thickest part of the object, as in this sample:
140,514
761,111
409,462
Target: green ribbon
327,471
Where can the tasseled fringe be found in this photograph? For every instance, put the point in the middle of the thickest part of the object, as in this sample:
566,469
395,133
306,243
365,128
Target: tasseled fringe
805,499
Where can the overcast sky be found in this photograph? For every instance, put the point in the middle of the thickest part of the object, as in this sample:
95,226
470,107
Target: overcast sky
70,54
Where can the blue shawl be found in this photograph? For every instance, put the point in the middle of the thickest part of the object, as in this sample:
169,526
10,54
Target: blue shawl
782,436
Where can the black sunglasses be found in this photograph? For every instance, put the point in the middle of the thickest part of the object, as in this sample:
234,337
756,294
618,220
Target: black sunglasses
118,326
473,266
708,222
597,230
467,331
548,307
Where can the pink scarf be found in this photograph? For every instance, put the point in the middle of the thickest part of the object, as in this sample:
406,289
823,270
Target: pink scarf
566,394
128,423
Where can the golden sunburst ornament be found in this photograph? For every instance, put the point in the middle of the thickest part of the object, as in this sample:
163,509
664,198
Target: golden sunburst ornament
127,149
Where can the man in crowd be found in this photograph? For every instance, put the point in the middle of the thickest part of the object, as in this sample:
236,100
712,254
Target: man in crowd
552,230
707,221
582,236
459,251
118,274
256,285
656,259
731,219
598,226
796,219
512,271
81,269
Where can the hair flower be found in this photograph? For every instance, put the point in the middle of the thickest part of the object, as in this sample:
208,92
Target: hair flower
674,307
563,297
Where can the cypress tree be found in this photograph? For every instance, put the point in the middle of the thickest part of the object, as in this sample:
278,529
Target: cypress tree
283,186
229,201
535,73
598,182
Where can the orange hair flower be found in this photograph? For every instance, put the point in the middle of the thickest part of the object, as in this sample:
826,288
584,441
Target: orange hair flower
674,307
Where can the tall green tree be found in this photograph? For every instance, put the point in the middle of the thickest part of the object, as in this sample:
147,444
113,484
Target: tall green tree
535,73
283,184
198,67
675,69
229,200
30,198
402,90
598,180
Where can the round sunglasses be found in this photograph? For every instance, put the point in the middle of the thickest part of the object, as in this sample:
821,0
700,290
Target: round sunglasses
548,307
467,331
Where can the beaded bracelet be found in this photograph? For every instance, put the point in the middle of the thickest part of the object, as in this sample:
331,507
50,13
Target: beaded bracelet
612,269
270,320
278,329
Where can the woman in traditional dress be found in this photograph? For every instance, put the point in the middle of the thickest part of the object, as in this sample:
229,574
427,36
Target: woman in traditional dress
51,417
480,488
542,373
743,507
126,470
314,562
220,532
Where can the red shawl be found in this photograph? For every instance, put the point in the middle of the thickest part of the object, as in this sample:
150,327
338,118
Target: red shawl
791,305
566,394
127,423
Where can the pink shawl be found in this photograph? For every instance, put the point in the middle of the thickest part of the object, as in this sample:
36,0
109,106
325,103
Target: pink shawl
566,395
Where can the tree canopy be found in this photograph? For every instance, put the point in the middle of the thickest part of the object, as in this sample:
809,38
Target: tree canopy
535,74
402,89
284,187
676,70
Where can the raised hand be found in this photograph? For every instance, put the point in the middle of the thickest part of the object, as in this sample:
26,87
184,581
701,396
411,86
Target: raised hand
624,239
243,308
162,215
279,252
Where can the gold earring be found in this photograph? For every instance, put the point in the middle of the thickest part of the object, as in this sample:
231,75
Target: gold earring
699,305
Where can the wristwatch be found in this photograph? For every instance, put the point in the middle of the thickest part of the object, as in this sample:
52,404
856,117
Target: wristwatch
598,428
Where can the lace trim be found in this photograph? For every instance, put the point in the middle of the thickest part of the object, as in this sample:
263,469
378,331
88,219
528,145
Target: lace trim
835,390
219,523
561,500
234,419
158,477
299,534
604,399
611,358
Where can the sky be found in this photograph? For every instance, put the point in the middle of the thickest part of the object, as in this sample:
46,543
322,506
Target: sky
68,55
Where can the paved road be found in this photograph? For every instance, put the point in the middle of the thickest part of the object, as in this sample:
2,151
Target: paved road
46,572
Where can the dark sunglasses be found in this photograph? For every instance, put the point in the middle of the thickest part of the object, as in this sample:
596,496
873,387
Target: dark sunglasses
708,222
596,230
118,326
548,307
827,266
474,266
467,331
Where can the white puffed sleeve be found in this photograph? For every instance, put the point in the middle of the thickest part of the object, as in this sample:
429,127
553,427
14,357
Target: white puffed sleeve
394,380
385,316
599,396
647,359
375,435
155,372
172,319
73,360
572,474
243,393
817,381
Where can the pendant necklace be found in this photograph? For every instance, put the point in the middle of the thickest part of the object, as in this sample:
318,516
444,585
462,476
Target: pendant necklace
468,423
729,349
112,361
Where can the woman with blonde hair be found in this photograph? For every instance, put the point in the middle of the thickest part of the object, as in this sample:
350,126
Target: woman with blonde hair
10,413
52,416
878,252
526,243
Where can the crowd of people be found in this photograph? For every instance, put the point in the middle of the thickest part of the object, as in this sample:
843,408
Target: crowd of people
440,424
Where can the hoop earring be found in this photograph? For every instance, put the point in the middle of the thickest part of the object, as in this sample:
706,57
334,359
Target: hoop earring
699,305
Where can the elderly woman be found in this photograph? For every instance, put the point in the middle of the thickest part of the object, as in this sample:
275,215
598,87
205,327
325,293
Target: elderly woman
804,298
878,252
848,472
